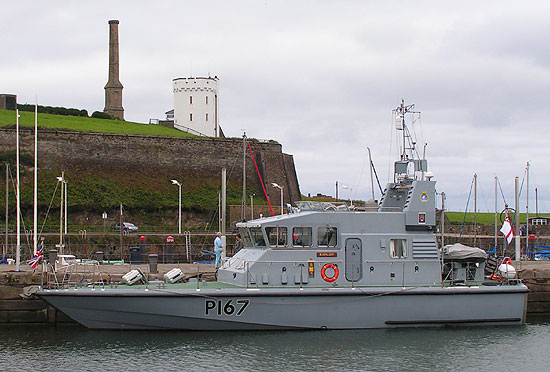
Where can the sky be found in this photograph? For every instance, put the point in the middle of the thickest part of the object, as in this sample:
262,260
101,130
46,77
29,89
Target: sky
320,77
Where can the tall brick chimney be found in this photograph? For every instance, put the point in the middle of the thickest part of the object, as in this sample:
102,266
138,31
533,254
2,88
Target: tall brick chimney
113,88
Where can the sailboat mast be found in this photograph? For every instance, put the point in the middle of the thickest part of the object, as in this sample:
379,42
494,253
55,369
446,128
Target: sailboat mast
371,180
475,208
496,179
527,212
35,225
17,196
442,219
243,204
536,202
5,252
518,248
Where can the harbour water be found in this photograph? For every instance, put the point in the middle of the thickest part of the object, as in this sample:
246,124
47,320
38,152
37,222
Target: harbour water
73,348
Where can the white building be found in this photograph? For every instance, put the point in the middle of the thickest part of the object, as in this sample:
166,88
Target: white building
196,105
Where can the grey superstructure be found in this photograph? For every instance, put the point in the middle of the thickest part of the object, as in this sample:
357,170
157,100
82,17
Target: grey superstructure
322,266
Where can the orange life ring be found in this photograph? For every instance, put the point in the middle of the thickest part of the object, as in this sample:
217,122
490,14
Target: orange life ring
333,277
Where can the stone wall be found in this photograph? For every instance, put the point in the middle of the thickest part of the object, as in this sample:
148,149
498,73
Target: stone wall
159,157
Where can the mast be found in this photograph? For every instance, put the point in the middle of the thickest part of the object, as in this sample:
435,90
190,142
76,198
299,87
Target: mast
527,212
407,152
17,196
400,113
243,204
35,218
475,208
5,252
61,214
496,179
518,248
222,228
536,202
442,219
371,180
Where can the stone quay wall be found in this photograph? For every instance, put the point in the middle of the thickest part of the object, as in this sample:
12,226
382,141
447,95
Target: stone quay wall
155,157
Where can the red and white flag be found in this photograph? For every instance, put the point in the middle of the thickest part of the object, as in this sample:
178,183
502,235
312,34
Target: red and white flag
507,230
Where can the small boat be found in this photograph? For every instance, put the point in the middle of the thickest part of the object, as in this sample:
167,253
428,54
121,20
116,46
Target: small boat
322,266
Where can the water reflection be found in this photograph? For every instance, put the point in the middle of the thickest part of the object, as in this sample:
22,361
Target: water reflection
470,349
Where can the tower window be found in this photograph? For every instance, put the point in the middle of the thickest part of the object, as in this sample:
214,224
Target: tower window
207,100
190,100
207,117
190,117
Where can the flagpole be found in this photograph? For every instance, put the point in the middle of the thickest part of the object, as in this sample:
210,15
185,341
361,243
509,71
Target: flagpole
35,238
17,196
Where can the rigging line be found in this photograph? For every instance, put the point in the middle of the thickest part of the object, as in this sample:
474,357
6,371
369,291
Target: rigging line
413,121
20,212
465,210
260,177
522,181
48,211
361,174
377,180
502,193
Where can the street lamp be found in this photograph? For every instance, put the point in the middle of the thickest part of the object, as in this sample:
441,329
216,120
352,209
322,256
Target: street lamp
179,203
281,188
350,193
63,209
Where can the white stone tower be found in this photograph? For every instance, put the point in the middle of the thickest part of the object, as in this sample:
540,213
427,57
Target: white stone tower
196,105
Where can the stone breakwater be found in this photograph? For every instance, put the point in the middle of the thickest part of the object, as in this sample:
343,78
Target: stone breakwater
14,309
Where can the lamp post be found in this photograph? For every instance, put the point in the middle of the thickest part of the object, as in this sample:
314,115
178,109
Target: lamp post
350,193
251,207
175,182
281,188
104,216
62,209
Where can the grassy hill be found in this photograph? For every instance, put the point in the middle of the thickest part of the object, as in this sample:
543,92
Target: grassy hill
456,218
84,124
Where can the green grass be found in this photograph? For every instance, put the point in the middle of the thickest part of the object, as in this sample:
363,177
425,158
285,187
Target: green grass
83,124
456,218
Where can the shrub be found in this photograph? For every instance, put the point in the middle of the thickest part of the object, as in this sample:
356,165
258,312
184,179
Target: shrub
102,115
53,110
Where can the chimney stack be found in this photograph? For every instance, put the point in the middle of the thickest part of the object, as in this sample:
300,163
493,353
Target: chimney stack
113,88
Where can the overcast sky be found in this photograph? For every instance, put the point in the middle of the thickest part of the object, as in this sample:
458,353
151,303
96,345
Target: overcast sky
320,77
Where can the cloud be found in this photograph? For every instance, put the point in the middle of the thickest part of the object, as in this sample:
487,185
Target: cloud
320,77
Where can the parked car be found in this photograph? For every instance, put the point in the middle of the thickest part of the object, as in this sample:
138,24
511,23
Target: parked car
128,227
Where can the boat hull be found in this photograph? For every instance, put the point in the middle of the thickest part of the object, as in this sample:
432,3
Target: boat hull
269,309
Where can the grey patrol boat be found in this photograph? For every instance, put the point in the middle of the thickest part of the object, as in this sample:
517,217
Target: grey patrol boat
324,266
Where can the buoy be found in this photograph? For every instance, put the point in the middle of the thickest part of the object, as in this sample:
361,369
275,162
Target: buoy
506,270
334,276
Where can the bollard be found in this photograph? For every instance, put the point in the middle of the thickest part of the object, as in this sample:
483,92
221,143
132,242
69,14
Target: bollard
153,261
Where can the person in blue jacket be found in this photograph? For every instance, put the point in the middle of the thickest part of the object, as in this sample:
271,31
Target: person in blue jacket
218,249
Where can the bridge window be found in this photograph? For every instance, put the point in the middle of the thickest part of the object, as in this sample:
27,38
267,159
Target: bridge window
327,236
257,236
398,248
277,236
301,236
